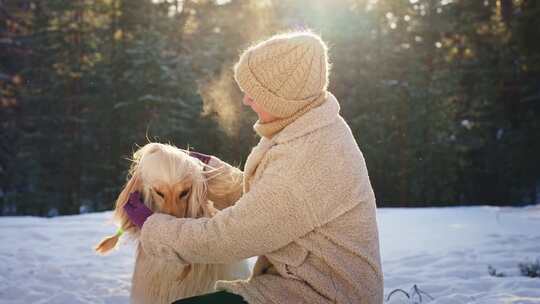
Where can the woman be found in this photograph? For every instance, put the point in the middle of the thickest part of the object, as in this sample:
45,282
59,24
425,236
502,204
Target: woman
307,208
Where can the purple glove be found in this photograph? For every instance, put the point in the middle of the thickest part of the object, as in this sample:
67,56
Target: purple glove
202,157
136,209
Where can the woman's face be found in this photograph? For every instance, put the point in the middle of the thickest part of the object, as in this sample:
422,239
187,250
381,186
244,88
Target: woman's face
263,115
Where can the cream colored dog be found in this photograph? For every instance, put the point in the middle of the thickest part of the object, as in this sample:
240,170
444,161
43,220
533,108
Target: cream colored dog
172,182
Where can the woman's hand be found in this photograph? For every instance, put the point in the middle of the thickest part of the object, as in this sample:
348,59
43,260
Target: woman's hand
136,210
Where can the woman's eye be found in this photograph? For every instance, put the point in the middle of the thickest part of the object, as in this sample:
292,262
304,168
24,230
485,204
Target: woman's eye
184,193
159,193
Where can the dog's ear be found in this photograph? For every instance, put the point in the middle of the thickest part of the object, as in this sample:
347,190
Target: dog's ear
120,216
199,206
224,184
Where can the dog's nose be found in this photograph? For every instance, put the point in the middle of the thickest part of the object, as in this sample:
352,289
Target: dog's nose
173,207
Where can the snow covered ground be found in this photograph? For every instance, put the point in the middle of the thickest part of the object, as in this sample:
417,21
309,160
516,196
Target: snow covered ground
444,251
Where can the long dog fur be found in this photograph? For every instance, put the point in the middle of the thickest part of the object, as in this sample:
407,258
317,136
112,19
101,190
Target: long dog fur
160,281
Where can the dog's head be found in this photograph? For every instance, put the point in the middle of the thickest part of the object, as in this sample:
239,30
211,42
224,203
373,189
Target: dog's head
170,181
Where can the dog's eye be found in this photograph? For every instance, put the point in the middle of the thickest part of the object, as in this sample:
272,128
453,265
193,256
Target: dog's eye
184,193
159,193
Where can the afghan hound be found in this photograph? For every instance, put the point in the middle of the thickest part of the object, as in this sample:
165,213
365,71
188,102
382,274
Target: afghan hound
172,182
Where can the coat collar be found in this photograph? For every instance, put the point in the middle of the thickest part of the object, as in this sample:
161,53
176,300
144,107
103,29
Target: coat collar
312,120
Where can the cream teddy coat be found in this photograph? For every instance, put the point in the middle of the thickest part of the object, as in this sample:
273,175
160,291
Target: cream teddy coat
308,212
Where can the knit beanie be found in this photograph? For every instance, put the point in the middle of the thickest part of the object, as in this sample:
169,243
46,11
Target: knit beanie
284,73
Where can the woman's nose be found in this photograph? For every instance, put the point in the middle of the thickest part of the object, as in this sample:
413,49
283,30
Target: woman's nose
246,100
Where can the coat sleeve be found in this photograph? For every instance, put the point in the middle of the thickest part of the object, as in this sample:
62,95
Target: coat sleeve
224,183
271,215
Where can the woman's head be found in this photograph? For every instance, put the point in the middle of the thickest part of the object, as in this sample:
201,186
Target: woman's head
283,74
